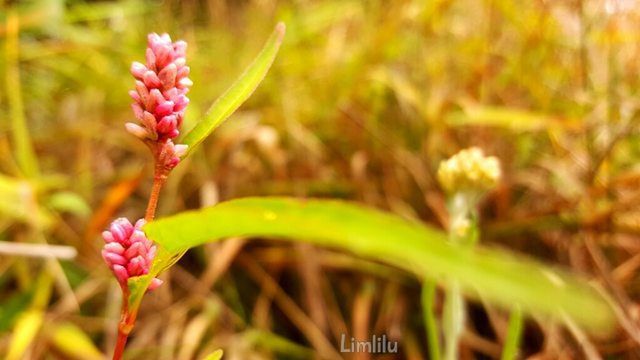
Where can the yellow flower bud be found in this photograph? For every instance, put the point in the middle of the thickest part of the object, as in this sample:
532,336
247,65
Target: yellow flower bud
469,171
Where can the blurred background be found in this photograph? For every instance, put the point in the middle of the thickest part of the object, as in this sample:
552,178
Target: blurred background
362,103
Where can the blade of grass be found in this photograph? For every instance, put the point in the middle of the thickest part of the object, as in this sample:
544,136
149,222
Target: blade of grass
430,322
514,333
238,93
25,155
74,342
24,332
216,355
499,277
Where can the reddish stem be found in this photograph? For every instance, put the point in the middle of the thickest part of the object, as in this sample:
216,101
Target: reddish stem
158,180
123,334
127,322
122,341
128,318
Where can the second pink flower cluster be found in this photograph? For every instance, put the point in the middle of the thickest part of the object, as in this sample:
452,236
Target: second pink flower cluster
128,252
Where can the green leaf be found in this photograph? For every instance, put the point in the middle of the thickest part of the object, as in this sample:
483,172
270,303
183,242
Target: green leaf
67,201
238,93
497,276
23,148
513,119
277,344
18,201
74,343
216,355
26,328
11,308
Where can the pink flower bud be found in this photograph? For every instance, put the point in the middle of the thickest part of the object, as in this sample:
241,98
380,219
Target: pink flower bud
180,150
170,154
121,273
155,98
137,130
183,72
167,124
168,76
138,70
134,95
151,79
164,108
128,252
151,59
184,83
137,110
181,102
155,283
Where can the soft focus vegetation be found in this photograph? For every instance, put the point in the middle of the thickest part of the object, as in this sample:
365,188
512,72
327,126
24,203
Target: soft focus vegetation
363,102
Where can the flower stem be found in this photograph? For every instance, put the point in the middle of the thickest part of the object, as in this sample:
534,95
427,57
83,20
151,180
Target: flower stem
120,344
159,179
514,333
123,334
128,316
453,318
430,322
127,322
462,232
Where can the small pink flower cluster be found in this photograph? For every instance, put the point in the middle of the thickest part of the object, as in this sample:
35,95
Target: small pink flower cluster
128,252
160,96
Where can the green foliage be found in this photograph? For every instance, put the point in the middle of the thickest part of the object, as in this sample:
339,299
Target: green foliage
495,276
24,153
514,334
67,201
26,328
216,355
74,342
18,200
514,119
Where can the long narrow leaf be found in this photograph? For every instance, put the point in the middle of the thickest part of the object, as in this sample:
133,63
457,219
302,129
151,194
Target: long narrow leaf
497,276
239,92
24,153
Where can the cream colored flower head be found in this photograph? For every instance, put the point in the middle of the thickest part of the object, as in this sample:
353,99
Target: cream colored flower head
469,171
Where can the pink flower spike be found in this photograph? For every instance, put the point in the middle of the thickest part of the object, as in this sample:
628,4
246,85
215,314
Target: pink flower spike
161,86
127,251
